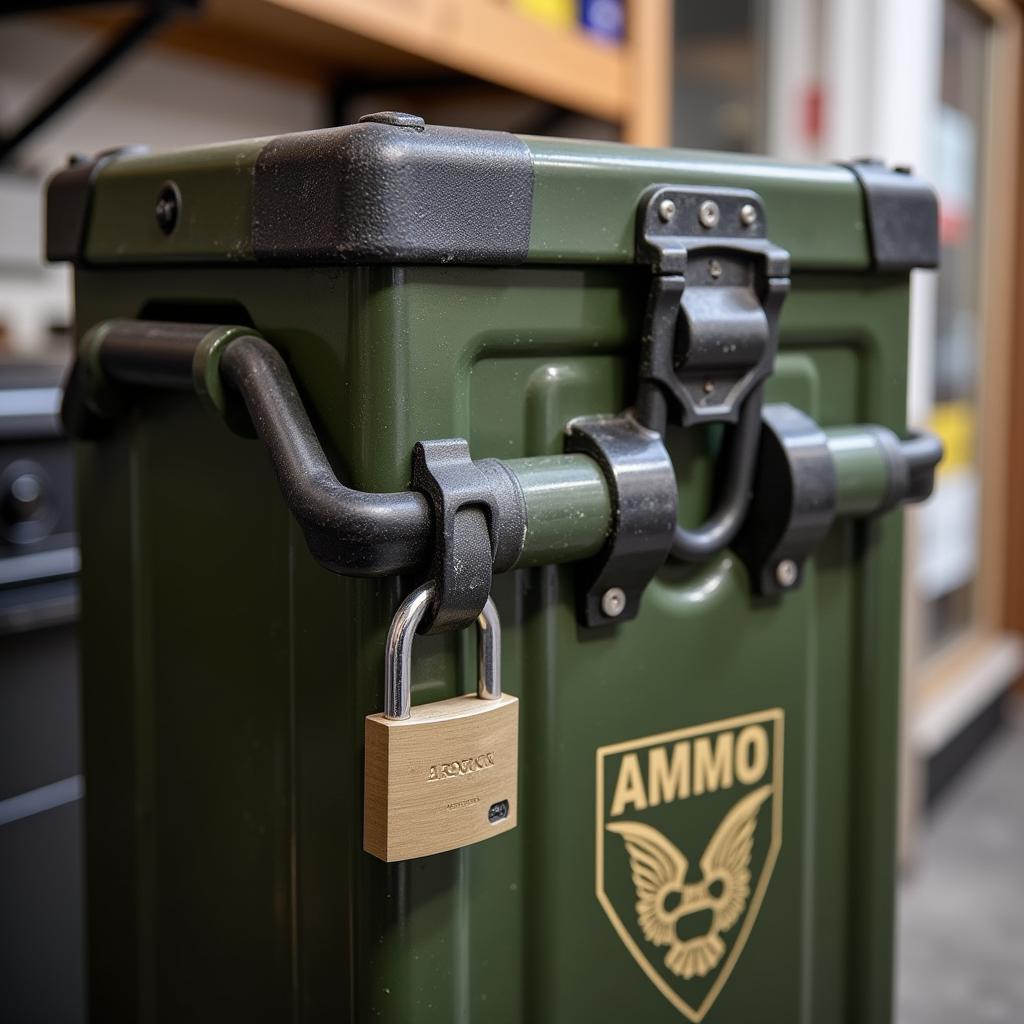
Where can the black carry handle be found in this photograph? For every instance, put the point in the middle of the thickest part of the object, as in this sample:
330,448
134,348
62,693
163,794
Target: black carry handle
363,534
348,531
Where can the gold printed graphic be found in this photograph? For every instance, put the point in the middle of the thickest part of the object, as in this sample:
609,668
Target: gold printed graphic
658,872
713,791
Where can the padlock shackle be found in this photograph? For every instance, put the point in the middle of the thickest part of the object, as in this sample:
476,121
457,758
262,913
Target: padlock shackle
488,653
398,652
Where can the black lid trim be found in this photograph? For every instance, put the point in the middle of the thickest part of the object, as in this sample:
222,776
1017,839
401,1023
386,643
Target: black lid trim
69,200
386,192
902,213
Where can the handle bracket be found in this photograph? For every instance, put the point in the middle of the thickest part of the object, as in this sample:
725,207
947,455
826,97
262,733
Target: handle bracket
479,523
642,488
612,495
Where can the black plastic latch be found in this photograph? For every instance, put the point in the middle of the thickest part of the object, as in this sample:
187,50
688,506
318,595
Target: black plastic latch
479,527
711,331
642,483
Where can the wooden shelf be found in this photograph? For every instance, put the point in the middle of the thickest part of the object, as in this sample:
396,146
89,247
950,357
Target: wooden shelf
482,38
367,40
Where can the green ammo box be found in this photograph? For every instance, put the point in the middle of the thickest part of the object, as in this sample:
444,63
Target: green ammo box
681,377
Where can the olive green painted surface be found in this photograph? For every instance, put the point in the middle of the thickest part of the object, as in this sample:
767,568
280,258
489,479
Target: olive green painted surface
215,183
585,198
862,471
227,675
584,203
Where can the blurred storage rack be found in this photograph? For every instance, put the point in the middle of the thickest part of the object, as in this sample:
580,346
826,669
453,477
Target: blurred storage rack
41,786
626,83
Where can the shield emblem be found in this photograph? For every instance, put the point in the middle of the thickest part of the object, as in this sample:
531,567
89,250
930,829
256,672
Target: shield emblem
689,826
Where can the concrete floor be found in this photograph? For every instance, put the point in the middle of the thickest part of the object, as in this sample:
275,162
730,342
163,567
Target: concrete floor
961,930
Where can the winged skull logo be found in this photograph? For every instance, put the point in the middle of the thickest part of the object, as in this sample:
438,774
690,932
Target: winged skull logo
664,899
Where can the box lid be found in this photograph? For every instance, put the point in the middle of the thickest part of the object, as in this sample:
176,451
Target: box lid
392,189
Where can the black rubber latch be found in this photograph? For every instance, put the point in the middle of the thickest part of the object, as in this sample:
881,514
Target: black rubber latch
642,483
479,527
902,214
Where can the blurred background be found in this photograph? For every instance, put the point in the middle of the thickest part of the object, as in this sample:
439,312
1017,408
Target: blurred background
934,84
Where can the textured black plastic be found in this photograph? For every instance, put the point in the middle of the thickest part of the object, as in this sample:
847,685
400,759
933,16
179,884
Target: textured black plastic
642,483
393,193
794,497
69,200
911,461
902,214
349,532
479,519
471,523
710,334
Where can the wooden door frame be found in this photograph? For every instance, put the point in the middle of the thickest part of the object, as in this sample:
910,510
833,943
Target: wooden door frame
1000,305
989,654
1013,608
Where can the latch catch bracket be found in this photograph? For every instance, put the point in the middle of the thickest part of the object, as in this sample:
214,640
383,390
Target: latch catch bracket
710,334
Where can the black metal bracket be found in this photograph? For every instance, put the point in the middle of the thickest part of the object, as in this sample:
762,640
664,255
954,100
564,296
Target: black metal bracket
710,334
711,331
152,17
642,484
479,519
795,493
794,500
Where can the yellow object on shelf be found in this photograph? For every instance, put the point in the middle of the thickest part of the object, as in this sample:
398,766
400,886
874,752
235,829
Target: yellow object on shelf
553,12
954,422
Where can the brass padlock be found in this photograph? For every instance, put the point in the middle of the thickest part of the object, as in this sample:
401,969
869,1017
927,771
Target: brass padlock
443,775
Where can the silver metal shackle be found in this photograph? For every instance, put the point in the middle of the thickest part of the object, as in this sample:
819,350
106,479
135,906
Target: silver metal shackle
398,653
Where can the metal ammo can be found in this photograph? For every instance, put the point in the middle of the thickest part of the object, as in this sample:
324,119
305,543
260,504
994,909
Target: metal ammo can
328,385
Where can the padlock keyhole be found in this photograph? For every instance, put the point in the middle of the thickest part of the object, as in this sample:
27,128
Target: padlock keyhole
497,812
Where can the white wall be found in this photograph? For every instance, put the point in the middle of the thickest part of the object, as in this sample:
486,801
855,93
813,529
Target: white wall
155,97
881,62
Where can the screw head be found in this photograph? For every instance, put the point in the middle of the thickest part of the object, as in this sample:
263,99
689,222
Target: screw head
786,573
666,210
613,602
168,207
748,214
708,213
